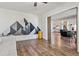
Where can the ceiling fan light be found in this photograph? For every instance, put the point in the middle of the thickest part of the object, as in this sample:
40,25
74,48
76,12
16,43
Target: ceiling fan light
35,4
45,2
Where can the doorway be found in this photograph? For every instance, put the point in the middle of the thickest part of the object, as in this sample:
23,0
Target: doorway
62,29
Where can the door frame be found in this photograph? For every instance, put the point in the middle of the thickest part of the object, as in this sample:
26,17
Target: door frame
49,24
49,29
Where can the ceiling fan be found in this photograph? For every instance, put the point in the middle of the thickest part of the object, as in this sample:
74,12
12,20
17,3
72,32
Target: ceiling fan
35,3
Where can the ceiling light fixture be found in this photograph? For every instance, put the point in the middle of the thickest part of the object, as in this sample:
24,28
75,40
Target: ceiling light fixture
35,3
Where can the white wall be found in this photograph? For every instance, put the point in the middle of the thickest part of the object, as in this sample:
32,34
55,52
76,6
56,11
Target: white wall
42,25
8,17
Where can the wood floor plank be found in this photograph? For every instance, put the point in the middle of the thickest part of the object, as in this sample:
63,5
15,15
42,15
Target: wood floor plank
41,48
37,47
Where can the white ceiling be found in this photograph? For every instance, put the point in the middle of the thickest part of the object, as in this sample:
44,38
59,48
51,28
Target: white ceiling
28,7
70,13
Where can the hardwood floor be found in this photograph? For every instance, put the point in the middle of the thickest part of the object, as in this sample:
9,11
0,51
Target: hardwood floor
61,42
37,47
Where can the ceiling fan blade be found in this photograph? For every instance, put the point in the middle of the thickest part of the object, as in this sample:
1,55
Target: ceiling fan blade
35,4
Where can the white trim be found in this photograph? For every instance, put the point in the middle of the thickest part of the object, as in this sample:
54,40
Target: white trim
25,37
21,37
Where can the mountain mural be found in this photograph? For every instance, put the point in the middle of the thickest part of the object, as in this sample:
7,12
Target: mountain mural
17,29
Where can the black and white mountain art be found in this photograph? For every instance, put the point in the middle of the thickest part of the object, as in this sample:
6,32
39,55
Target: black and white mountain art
17,29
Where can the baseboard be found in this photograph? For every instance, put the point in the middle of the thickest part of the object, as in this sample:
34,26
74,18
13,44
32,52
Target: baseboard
44,38
25,37
20,37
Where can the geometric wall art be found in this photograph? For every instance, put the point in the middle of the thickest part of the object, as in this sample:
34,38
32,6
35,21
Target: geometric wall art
17,29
